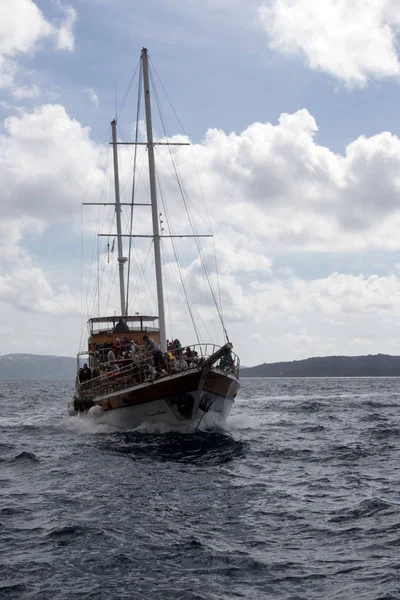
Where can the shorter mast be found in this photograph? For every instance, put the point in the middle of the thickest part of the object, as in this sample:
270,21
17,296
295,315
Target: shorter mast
121,258
154,208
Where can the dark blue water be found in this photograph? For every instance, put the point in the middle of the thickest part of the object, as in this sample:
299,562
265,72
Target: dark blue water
299,498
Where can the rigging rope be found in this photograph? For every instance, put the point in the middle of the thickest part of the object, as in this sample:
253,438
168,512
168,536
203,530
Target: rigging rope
81,309
108,218
142,274
87,304
102,148
201,190
98,228
118,112
112,280
185,202
133,184
194,306
177,262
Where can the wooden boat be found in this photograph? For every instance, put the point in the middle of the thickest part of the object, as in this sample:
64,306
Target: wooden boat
176,386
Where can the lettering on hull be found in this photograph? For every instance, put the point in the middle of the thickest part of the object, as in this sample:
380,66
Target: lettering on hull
158,413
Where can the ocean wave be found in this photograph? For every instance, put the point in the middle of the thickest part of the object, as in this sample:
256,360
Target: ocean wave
22,457
365,508
296,497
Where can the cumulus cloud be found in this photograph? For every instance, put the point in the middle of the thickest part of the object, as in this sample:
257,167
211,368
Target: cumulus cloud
23,27
12,232
29,290
271,189
332,296
293,318
290,192
46,161
274,181
351,40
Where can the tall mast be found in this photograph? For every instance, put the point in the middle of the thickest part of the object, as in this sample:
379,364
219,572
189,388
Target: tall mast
121,258
154,208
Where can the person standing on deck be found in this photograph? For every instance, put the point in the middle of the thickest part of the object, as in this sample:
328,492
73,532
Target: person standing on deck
110,356
178,350
84,373
134,347
153,349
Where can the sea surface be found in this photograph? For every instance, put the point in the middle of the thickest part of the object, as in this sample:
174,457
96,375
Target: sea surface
298,497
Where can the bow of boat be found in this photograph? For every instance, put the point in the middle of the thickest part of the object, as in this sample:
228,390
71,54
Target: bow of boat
136,395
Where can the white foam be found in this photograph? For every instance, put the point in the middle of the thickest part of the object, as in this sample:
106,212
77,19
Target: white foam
160,428
242,421
84,424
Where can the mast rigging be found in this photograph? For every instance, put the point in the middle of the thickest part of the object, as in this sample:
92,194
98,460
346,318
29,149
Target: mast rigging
121,258
153,197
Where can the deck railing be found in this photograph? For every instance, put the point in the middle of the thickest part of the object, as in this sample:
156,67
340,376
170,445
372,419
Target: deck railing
140,369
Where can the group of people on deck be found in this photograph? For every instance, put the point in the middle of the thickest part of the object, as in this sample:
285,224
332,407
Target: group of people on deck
179,358
176,358
110,357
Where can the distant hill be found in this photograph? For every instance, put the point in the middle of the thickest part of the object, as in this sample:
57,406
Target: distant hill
63,368
37,366
379,365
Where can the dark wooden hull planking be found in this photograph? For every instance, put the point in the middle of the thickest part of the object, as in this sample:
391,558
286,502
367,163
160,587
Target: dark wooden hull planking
177,385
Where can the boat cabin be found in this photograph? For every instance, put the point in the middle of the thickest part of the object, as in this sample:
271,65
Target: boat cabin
104,330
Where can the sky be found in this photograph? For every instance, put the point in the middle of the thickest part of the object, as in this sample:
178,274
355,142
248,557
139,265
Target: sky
291,110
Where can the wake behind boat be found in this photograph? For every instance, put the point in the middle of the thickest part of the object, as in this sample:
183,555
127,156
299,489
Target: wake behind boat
143,378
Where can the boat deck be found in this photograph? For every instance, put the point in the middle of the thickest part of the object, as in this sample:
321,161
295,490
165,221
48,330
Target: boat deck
139,371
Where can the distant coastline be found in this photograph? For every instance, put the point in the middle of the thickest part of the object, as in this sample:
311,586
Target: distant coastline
63,368
371,365
28,367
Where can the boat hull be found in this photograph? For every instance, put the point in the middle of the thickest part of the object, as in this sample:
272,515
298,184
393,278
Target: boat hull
161,412
185,400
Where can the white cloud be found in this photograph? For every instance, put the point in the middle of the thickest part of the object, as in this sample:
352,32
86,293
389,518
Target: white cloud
45,177
238,254
93,97
8,70
29,290
293,194
295,318
271,190
46,161
333,296
352,40
12,232
64,34
26,91
272,180
23,28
